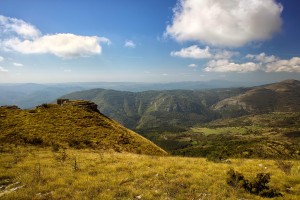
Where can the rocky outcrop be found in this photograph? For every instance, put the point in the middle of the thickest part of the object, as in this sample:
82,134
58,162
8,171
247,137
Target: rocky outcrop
11,107
87,105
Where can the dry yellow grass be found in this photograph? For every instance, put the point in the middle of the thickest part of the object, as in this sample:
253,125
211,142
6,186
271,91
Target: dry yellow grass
70,126
44,174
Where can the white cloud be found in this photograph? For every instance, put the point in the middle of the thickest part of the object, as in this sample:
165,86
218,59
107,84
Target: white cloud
192,65
198,53
228,66
24,38
225,22
1,58
3,70
263,58
274,64
193,52
21,28
18,64
129,44
292,65
262,62
224,54
64,45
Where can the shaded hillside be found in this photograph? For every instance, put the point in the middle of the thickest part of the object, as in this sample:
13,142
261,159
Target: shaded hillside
77,124
172,110
278,97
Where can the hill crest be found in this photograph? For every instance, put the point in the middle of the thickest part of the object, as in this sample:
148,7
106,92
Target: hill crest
76,124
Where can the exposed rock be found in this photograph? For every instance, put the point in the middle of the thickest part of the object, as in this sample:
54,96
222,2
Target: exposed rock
11,107
87,105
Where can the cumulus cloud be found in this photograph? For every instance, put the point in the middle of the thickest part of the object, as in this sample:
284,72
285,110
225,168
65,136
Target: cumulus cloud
1,58
230,23
263,58
3,70
275,64
228,66
192,65
18,64
193,52
224,54
291,65
18,26
64,45
129,44
28,40
206,53
261,62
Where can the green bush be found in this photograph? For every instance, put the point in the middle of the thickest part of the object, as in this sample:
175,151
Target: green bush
259,186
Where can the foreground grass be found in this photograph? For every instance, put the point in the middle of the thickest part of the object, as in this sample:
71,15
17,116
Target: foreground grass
40,173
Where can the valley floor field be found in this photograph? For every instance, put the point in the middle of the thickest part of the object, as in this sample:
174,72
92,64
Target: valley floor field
49,173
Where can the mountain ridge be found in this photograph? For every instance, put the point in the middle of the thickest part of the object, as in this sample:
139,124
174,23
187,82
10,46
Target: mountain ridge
277,97
176,110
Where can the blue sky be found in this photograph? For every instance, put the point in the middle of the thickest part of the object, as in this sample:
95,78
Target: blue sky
149,41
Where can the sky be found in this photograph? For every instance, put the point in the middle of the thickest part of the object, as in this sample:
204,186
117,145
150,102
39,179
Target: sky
149,41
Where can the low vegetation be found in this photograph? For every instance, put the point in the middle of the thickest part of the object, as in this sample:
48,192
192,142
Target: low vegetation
42,173
70,125
273,136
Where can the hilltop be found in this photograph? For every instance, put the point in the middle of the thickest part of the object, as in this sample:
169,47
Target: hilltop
76,124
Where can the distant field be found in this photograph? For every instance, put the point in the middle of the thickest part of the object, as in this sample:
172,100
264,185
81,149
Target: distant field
274,136
227,130
42,173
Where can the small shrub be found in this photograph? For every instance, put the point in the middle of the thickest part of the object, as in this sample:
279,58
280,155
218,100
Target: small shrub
55,148
44,105
34,141
286,167
235,179
217,156
259,186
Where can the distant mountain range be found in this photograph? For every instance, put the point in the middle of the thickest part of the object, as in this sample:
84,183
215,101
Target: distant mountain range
171,110
278,97
30,95
176,110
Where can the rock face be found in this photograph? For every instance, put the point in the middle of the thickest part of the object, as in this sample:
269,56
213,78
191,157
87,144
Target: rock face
87,105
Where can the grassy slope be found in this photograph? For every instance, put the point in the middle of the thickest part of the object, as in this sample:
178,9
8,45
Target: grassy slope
70,126
45,174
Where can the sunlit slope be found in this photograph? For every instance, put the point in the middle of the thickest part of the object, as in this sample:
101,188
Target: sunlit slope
278,97
70,125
